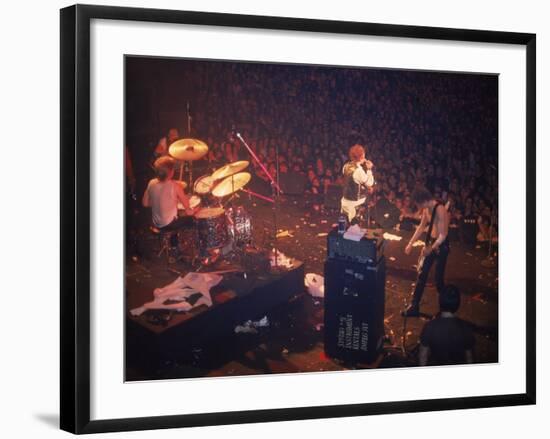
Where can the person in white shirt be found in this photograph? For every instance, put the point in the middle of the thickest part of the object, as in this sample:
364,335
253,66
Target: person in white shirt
163,195
357,178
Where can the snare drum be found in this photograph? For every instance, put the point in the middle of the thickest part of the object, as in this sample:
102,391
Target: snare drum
211,227
194,202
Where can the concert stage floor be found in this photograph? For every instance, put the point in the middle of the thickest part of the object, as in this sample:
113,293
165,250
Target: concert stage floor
293,340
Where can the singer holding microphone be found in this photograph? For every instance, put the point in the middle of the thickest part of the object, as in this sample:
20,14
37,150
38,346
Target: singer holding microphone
357,178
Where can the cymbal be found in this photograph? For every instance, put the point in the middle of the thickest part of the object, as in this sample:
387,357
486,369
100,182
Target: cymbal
188,149
203,185
231,184
229,169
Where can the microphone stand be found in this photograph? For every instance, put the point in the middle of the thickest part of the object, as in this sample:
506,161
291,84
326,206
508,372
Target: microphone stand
255,157
275,188
368,198
190,163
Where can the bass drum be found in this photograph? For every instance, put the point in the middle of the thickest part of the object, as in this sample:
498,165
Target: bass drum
211,228
239,226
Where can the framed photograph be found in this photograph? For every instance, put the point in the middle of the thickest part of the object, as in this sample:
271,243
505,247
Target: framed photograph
275,218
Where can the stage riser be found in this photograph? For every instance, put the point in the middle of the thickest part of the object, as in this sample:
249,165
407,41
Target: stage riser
207,328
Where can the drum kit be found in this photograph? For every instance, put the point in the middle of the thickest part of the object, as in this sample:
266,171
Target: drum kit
218,223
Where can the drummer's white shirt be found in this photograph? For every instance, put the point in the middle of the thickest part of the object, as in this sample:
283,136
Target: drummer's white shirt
163,199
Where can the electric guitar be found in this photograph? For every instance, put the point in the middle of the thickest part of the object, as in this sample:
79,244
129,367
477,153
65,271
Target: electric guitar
422,256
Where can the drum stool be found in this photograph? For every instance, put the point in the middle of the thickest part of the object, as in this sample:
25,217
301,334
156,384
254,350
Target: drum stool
165,242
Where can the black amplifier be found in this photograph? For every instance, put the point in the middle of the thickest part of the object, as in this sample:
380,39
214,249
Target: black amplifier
468,231
367,250
354,310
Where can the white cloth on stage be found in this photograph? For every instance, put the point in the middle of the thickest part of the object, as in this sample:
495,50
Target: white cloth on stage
315,284
354,233
179,291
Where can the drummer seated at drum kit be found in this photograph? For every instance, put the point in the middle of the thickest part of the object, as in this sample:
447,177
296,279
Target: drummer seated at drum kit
163,195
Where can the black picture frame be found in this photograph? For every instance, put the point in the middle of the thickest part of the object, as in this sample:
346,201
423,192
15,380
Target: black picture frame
75,217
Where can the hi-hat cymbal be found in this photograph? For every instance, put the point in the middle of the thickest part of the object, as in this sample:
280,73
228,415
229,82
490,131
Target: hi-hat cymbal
229,169
231,184
188,149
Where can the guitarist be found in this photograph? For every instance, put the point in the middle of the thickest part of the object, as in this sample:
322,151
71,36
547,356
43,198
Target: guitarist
436,249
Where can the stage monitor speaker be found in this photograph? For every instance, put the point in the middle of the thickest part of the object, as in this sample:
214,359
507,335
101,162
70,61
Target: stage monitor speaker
385,213
368,250
354,310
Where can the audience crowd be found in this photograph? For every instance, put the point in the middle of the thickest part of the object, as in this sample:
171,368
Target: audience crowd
419,128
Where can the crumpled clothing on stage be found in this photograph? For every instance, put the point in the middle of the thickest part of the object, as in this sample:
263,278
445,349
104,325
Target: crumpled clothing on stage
180,290
391,237
315,284
354,233
279,259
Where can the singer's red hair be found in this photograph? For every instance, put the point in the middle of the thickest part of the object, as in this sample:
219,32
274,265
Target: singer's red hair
356,152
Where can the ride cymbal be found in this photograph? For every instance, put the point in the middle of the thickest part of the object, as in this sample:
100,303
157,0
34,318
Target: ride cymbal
231,184
188,149
229,169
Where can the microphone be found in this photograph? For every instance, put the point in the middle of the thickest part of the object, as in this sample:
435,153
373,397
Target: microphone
364,165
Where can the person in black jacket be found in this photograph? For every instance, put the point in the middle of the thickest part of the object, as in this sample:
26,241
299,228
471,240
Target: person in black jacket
358,177
446,339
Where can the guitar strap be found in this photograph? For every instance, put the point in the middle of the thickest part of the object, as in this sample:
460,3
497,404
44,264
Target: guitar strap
430,227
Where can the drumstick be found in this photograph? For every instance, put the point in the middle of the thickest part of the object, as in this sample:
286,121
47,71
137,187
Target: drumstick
234,270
